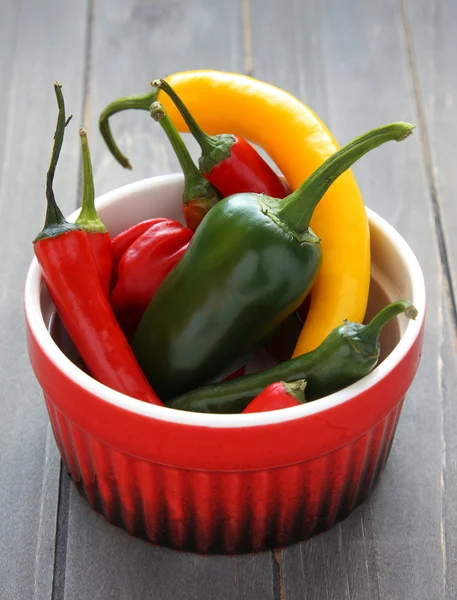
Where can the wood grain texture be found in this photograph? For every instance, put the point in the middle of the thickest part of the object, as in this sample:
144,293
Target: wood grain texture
9,16
431,31
30,33
356,58
132,43
105,562
448,378
135,42
358,64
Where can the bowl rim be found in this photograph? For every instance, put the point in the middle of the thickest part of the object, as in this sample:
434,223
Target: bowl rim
36,324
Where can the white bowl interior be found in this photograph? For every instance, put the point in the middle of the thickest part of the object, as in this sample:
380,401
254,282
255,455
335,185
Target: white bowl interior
395,272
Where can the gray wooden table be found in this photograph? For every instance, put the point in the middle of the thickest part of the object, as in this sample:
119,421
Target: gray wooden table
359,64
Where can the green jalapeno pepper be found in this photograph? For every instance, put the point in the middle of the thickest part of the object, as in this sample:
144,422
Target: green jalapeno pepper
250,264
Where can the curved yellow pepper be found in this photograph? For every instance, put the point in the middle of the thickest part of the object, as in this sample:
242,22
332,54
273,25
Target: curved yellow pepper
298,142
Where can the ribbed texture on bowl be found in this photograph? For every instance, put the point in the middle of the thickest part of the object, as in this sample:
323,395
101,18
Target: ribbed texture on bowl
223,512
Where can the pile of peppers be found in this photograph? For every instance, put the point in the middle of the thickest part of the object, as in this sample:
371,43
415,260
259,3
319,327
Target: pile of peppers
167,312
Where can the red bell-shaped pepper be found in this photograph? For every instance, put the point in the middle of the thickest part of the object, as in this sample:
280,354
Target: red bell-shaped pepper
143,267
122,242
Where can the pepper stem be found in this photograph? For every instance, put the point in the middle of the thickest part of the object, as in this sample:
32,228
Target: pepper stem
297,209
135,102
373,328
205,141
55,223
88,218
193,179
53,212
296,389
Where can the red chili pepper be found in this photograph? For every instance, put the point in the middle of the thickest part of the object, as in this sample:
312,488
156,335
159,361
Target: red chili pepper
89,220
229,162
121,242
143,267
278,395
198,196
64,253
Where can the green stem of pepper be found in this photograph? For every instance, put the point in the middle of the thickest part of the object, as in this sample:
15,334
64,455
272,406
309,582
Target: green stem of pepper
297,389
55,223
135,102
296,210
195,185
206,142
372,329
88,218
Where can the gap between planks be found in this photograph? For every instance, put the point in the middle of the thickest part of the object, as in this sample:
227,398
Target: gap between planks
87,87
63,503
60,550
247,37
447,276
278,575
450,284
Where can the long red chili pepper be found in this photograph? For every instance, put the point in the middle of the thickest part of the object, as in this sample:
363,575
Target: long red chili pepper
143,267
64,253
89,220
229,162
278,395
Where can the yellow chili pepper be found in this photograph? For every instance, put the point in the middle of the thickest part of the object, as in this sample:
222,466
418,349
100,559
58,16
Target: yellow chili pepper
298,142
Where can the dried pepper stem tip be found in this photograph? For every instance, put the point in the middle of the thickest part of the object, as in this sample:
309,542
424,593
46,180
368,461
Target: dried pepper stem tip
157,111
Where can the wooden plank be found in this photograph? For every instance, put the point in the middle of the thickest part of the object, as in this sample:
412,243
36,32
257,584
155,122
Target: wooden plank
431,32
105,562
133,43
146,41
349,62
39,42
449,464
9,15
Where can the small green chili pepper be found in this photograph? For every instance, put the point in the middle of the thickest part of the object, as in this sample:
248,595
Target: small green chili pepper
347,354
250,264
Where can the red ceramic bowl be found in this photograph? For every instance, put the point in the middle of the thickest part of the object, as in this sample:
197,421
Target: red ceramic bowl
227,483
